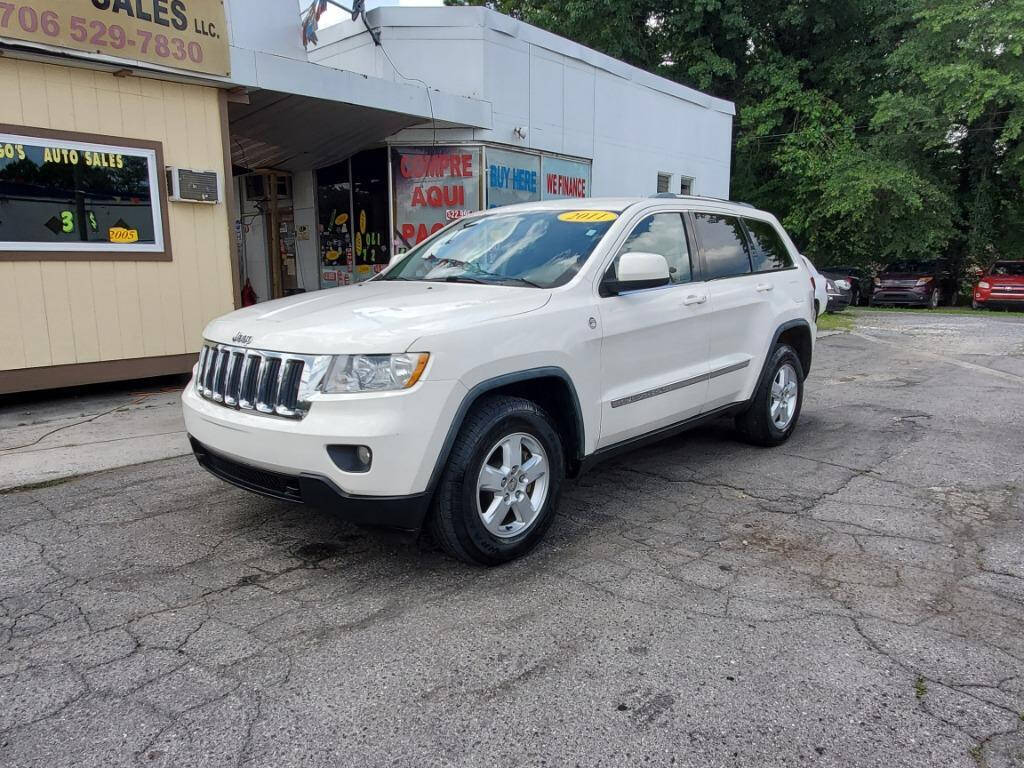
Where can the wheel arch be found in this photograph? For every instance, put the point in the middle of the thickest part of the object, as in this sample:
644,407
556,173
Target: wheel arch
550,387
798,335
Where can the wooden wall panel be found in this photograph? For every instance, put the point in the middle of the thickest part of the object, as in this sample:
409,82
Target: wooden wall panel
83,311
12,344
55,313
35,335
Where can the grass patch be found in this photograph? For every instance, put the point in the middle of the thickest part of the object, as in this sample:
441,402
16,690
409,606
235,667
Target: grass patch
1000,313
920,688
977,755
837,322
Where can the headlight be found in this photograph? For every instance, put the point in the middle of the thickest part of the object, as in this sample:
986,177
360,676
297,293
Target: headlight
984,284
844,284
877,282
373,373
924,280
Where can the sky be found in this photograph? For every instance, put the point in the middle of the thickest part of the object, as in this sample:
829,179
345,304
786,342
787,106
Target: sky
334,15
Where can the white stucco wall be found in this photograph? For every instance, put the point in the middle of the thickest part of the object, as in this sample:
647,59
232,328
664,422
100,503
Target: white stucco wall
571,99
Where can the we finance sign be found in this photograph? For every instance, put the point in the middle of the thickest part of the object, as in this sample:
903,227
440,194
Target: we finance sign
564,178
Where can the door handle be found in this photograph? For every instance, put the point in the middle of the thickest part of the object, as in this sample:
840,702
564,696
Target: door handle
762,287
694,299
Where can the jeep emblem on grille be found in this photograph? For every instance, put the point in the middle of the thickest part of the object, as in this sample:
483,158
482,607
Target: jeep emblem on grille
241,338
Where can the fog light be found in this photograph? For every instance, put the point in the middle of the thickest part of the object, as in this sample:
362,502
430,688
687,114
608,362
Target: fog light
365,455
351,458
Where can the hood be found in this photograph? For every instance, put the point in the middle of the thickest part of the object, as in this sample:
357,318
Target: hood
1004,279
376,317
904,275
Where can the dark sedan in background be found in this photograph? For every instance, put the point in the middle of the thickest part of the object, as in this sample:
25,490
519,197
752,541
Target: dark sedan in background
853,279
910,283
838,296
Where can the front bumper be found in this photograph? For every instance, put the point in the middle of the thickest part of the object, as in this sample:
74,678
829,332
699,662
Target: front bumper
404,430
837,302
999,298
902,297
401,512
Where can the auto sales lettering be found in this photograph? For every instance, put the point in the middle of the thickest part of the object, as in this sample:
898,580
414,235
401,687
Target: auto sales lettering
61,155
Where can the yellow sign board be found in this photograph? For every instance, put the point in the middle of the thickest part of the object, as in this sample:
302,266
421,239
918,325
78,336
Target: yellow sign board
588,217
122,235
184,34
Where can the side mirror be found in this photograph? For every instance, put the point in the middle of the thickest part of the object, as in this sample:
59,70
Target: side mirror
637,270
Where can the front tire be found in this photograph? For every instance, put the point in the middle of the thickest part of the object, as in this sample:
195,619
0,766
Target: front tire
935,300
775,407
501,486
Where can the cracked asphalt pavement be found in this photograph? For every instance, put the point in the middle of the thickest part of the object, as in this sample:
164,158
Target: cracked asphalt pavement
853,598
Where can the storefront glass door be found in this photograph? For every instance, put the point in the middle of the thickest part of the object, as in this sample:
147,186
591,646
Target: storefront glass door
352,205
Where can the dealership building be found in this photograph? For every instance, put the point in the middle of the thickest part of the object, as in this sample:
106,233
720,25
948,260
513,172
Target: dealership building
163,163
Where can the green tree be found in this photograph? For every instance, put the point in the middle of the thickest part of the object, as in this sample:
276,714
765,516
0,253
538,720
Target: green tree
956,86
873,128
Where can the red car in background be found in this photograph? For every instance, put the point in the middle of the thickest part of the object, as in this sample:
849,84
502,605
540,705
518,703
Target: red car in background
1003,285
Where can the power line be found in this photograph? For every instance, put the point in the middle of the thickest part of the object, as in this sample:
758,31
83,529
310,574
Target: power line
769,136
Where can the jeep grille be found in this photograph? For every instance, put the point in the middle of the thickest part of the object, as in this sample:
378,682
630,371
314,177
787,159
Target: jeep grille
271,383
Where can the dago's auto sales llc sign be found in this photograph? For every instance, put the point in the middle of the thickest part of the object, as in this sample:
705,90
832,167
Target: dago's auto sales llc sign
184,34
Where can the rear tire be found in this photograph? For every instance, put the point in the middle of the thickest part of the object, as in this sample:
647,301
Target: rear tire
484,474
775,407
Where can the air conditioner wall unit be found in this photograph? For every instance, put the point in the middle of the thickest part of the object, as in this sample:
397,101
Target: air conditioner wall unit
185,185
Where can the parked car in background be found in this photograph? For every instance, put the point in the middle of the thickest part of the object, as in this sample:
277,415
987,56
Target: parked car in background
1001,285
912,283
838,298
854,279
820,291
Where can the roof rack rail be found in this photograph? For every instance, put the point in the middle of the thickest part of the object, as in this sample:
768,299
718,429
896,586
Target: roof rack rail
674,196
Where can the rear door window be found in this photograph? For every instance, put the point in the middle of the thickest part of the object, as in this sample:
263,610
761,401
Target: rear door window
768,252
726,253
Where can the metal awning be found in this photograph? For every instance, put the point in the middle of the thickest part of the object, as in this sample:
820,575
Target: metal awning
290,132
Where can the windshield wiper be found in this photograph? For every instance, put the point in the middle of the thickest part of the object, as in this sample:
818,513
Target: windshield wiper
478,270
454,279
522,280
504,278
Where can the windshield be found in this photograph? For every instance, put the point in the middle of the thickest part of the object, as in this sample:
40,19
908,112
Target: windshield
911,266
1008,268
540,249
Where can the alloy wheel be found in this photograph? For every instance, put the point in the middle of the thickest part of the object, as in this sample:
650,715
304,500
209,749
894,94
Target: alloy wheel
785,389
512,485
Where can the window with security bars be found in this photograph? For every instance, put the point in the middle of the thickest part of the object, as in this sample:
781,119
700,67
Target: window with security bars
664,181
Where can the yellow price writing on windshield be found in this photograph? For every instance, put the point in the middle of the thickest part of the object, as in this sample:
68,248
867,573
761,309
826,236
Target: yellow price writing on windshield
588,217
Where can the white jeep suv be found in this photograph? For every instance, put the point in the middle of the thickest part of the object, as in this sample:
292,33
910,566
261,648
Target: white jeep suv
512,349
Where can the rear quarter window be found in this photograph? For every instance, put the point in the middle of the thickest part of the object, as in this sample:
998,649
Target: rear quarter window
768,251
